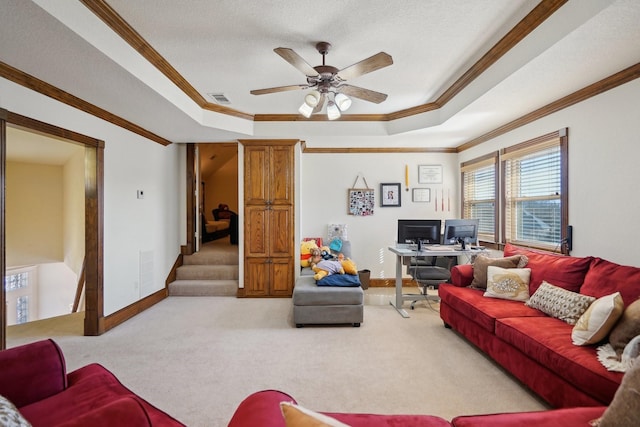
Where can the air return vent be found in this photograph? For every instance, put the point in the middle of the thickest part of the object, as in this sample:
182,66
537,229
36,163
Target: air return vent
220,98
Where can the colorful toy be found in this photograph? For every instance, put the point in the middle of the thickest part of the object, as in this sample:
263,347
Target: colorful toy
306,248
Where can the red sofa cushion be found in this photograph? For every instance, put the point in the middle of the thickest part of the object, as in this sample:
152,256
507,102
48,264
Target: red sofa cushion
373,420
90,387
32,372
605,277
125,411
569,417
480,309
563,271
548,341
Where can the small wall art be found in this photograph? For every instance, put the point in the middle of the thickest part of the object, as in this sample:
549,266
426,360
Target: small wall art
390,195
421,194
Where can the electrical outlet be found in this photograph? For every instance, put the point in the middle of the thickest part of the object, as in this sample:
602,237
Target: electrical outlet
140,194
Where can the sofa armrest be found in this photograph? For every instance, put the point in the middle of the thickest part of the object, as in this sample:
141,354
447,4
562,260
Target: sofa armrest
462,275
32,372
261,409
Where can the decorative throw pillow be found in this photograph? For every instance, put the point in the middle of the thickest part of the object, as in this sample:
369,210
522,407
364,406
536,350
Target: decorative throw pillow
627,327
595,324
508,283
560,303
482,262
624,409
297,416
10,416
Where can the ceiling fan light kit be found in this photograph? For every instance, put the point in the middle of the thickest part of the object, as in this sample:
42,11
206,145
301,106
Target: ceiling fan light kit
333,112
327,81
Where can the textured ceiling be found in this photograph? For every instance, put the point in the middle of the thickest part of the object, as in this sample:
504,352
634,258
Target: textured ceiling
227,46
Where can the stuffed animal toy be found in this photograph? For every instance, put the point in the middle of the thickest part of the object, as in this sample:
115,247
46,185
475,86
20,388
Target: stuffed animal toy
326,268
348,266
306,248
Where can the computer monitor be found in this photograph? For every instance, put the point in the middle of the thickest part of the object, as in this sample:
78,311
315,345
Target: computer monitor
423,231
460,231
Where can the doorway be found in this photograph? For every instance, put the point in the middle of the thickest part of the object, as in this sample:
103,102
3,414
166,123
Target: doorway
91,163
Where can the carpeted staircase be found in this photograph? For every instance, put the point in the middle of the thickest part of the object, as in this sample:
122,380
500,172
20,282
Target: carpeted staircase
213,271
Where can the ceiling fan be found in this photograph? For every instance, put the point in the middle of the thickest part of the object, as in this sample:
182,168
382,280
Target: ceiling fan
328,82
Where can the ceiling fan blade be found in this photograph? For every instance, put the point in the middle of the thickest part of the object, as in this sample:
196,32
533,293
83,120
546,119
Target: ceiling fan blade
296,60
375,62
320,104
278,89
362,93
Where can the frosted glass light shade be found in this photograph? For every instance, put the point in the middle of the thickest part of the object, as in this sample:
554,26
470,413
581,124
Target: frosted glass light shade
312,98
305,110
332,111
343,101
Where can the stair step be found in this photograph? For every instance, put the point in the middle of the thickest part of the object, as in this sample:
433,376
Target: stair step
208,258
207,272
212,288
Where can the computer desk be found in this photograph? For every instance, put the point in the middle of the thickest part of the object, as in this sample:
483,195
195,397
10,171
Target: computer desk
402,252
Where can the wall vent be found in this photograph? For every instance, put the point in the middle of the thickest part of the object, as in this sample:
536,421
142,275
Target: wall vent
220,98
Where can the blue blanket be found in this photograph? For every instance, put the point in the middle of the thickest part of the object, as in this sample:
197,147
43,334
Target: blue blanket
348,280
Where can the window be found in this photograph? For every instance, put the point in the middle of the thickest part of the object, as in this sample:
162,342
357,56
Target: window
480,193
534,192
529,183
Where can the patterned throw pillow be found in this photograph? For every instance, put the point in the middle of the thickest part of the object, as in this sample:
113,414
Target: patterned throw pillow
482,263
508,283
560,303
10,416
596,323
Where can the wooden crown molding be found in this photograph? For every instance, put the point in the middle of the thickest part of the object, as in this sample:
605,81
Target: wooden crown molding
608,83
114,21
37,85
545,9
537,16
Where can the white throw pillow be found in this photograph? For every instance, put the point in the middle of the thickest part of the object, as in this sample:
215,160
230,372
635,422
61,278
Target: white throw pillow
508,283
595,324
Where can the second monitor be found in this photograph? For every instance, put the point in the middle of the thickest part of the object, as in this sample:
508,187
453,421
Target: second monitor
463,231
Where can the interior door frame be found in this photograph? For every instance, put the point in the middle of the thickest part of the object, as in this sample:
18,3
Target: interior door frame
94,321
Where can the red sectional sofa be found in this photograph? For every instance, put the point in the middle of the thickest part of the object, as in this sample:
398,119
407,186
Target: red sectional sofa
263,409
535,348
34,378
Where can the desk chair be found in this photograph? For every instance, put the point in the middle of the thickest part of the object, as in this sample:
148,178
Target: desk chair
429,271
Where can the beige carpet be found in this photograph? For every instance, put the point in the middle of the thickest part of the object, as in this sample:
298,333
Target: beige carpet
197,358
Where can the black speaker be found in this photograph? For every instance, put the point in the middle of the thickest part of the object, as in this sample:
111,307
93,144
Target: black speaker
569,238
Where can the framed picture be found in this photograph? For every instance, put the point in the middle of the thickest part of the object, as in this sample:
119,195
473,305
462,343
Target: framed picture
421,194
430,174
390,195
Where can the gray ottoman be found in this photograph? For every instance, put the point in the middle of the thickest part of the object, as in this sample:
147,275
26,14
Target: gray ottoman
313,304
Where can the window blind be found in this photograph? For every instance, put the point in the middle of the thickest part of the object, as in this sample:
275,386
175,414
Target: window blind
479,195
532,194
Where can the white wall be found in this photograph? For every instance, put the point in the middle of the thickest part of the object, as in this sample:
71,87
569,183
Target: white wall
153,225
326,178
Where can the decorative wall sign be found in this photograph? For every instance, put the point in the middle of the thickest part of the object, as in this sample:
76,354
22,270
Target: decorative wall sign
430,174
361,201
390,195
421,194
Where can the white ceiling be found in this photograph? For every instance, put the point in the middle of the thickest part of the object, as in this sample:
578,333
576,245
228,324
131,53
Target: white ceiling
227,46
